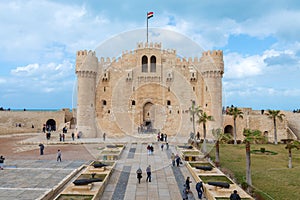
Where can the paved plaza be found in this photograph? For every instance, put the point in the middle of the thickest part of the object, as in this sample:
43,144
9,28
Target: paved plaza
37,175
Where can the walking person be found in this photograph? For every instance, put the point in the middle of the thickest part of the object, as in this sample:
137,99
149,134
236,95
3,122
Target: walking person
167,144
104,136
2,162
187,184
41,149
162,146
178,160
139,174
148,171
151,149
73,136
173,159
58,155
200,189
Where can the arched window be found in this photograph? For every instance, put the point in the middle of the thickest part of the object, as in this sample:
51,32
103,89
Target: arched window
103,102
153,64
133,102
168,102
144,64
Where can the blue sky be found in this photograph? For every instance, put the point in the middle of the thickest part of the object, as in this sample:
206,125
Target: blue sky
260,41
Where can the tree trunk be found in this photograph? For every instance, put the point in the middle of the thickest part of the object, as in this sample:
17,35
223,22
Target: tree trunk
248,164
234,131
194,130
290,158
217,160
275,131
204,139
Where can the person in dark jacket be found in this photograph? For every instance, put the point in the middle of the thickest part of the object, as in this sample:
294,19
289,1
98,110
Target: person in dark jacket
200,189
235,196
187,184
178,160
2,162
41,149
139,174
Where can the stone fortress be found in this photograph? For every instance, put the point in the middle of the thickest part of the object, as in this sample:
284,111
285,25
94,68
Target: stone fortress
149,89
146,90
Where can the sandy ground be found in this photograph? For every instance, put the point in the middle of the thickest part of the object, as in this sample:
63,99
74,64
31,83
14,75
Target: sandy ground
10,149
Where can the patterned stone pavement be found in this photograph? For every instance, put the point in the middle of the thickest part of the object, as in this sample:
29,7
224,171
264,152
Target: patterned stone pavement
32,179
167,181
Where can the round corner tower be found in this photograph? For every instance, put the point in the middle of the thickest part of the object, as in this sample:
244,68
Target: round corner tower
86,71
212,69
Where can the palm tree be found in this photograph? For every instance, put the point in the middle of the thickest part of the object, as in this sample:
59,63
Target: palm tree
194,110
235,113
219,137
290,146
203,118
275,114
250,136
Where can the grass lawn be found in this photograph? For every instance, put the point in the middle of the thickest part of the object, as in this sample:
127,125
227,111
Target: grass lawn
271,177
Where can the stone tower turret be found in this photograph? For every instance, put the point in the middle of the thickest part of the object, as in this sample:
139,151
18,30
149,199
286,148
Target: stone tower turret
212,69
86,71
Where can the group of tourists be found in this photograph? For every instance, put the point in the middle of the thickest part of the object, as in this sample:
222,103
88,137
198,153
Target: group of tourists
139,173
150,149
162,137
176,160
42,147
200,189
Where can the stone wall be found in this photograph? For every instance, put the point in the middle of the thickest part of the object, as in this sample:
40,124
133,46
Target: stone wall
255,120
23,121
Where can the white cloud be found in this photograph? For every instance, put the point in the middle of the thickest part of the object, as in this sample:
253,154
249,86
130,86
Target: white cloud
26,70
41,78
48,70
34,29
238,66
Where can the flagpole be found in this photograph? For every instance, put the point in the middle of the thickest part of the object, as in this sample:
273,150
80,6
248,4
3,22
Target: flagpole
147,26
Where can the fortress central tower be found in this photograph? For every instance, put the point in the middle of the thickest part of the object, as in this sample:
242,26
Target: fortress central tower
149,89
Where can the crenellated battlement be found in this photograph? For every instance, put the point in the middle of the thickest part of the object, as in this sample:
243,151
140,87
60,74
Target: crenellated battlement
84,53
141,45
214,53
84,56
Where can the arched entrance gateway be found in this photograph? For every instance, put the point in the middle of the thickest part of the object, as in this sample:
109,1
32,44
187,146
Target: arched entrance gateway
228,130
149,87
148,117
51,125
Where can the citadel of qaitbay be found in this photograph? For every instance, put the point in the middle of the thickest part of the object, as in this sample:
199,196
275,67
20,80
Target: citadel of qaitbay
150,89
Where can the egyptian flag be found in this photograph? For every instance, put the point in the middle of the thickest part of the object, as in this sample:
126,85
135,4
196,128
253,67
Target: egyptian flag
149,15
